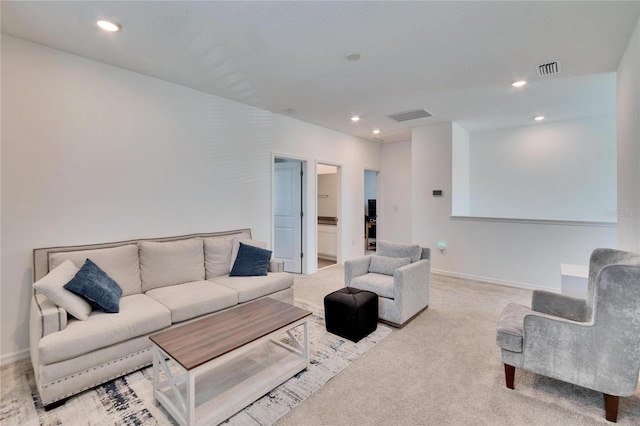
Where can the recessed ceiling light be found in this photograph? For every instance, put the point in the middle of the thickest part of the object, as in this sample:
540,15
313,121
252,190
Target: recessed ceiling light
518,83
376,131
538,118
352,56
355,118
109,26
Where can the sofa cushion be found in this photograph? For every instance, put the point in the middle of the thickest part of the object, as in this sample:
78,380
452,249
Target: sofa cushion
250,288
386,248
139,315
217,256
247,241
387,265
171,262
251,261
98,288
52,286
380,284
120,263
190,300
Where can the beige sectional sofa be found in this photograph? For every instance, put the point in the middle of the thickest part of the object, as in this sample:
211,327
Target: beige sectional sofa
165,282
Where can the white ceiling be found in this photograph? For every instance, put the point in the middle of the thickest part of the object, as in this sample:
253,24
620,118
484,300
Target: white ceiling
455,59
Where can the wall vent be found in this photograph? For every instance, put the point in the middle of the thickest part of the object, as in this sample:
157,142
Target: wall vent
410,115
549,68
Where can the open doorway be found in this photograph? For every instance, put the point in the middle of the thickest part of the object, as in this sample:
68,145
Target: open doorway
328,191
371,222
288,196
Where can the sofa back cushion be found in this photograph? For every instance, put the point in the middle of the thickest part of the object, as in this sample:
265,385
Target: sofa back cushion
387,265
171,262
120,263
386,248
217,256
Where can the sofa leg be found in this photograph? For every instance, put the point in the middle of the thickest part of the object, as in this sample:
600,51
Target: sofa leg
509,374
54,405
611,407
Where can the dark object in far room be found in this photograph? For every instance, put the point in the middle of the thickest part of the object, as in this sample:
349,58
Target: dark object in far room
372,209
351,313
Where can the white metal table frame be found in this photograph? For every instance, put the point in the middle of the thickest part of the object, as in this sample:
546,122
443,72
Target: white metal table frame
185,412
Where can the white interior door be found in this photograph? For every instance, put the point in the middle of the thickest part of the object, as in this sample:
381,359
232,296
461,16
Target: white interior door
287,245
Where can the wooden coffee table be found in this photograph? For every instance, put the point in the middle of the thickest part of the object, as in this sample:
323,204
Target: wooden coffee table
224,362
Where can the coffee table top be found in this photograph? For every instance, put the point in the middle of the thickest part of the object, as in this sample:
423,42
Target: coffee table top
198,342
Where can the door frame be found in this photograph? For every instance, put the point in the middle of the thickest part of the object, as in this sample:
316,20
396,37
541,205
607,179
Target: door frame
379,215
305,217
339,208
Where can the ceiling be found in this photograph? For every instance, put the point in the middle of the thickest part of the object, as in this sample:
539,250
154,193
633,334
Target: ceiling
454,59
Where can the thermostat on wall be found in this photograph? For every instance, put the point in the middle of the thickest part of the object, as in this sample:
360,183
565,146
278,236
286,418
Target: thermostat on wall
437,192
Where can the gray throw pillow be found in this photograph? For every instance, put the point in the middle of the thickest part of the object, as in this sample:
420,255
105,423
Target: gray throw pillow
387,265
98,288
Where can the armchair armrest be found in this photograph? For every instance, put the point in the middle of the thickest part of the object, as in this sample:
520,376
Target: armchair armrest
411,288
276,266
559,305
415,274
356,267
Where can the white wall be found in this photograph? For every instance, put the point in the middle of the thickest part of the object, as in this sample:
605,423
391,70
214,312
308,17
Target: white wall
296,139
461,169
525,254
394,207
560,170
93,153
628,99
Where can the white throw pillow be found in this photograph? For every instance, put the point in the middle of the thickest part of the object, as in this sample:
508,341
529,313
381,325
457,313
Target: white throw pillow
247,241
52,286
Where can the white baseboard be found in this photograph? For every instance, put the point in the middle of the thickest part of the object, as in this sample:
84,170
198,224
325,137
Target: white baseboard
14,356
495,281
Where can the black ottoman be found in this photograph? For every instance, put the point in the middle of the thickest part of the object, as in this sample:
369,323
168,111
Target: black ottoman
351,313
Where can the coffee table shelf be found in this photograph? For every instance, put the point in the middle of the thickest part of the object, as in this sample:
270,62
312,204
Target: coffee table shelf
212,391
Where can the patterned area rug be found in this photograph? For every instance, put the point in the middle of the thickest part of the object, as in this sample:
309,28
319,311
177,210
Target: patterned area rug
129,399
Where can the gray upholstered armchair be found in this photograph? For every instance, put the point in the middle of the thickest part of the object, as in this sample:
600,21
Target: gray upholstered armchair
594,343
399,274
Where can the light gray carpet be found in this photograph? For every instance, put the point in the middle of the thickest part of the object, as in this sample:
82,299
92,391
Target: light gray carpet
444,368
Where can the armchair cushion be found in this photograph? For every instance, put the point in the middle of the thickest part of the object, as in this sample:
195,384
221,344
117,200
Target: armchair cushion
380,284
387,265
412,251
559,305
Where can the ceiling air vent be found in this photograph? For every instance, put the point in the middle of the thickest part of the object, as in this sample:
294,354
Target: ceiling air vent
410,115
549,68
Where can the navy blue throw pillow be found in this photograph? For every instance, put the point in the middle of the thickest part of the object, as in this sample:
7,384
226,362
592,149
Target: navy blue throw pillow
251,261
98,288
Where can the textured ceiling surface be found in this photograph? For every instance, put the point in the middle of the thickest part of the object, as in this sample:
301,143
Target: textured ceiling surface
454,59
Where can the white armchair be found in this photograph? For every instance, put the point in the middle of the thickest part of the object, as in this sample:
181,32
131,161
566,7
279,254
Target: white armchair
399,274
